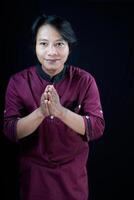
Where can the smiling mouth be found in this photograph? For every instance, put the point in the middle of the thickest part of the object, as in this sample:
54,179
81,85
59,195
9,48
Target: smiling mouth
52,60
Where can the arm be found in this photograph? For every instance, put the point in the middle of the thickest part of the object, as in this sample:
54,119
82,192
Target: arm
91,121
28,124
16,125
73,120
92,111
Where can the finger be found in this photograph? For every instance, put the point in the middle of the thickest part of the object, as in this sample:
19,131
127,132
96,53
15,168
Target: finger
50,96
45,96
54,94
47,107
50,107
54,91
48,88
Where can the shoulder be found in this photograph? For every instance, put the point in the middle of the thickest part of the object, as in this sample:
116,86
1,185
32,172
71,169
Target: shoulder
21,79
81,74
24,74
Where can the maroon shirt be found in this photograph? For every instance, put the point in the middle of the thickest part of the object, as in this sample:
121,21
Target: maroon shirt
53,159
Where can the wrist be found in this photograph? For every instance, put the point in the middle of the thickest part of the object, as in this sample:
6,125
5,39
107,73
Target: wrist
62,113
40,113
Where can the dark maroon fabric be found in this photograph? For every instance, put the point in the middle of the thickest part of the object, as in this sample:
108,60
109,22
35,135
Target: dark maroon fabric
53,159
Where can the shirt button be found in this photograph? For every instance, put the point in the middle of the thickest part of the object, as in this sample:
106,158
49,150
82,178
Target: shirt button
79,106
87,117
51,116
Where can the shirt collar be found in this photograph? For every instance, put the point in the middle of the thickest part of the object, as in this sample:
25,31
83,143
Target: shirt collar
58,77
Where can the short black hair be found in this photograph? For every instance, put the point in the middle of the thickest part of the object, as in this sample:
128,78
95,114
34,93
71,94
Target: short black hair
60,24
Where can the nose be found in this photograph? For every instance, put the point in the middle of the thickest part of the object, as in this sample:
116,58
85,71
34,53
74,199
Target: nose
52,50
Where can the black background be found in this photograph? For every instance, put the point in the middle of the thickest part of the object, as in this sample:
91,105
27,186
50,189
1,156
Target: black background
106,49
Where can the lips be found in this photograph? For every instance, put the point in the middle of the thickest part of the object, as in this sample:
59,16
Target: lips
52,60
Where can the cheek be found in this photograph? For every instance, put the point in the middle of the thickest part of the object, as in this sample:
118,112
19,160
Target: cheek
65,53
36,49
39,52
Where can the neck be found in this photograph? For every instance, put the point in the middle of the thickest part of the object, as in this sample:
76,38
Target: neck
52,73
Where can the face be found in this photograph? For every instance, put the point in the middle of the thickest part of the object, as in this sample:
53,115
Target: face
51,49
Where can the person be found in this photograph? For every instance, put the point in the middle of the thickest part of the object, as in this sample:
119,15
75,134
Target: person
52,111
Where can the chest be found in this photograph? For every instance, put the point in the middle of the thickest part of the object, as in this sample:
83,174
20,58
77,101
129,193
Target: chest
69,93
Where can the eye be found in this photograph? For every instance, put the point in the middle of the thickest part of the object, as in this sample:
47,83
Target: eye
60,44
43,44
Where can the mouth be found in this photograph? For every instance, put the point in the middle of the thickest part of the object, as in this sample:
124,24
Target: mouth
52,60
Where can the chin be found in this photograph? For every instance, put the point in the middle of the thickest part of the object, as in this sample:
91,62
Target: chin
51,70
52,66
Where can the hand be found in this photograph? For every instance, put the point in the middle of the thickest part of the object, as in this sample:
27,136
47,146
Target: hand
44,104
53,101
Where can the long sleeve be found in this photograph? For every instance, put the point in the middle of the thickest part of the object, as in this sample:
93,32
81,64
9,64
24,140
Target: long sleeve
92,112
12,111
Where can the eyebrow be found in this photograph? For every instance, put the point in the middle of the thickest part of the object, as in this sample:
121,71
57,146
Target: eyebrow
58,40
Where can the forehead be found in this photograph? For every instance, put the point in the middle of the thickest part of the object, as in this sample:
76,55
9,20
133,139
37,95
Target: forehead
48,32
